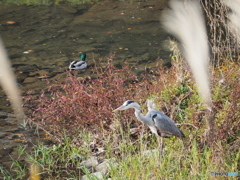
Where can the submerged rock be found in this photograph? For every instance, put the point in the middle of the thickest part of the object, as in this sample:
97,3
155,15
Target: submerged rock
30,80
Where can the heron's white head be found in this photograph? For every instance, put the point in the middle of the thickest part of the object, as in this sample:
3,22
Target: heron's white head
128,104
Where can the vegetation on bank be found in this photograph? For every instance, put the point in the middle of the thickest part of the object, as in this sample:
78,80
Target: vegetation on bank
78,116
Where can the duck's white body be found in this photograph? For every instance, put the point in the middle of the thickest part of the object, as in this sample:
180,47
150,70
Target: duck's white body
78,65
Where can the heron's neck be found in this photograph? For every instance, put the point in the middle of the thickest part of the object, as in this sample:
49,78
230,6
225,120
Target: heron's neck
145,120
138,114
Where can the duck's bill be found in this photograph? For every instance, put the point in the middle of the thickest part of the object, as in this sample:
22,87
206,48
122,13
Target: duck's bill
118,109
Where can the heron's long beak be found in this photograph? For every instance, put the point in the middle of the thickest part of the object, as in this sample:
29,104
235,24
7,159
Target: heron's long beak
118,109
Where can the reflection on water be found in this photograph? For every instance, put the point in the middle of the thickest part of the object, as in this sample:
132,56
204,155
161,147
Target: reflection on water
43,40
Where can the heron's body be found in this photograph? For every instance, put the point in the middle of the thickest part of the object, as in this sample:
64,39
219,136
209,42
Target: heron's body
157,121
79,65
166,126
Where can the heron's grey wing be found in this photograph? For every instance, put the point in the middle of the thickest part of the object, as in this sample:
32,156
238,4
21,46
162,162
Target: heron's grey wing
153,112
166,125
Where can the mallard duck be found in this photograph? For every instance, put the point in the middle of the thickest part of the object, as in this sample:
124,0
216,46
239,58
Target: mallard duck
79,65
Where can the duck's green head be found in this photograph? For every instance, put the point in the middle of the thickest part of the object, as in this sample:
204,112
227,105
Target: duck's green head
83,56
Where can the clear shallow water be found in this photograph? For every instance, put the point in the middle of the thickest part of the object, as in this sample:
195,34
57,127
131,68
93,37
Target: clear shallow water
56,35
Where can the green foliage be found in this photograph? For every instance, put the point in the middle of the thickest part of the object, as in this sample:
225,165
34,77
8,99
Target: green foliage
6,174
56,160
183,89
19,169
180,160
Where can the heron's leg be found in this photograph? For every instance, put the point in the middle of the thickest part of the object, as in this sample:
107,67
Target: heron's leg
160,144
141,131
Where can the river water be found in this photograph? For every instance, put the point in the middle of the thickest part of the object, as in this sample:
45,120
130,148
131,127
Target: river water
43,40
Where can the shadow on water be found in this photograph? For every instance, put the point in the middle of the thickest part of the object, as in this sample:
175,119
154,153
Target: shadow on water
42,40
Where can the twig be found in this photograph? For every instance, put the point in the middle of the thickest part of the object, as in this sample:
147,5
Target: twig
187,124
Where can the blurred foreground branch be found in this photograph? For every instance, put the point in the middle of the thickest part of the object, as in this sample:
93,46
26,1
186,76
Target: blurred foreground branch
9,84
185,21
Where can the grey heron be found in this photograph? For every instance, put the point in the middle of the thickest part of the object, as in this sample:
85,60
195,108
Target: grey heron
160,124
